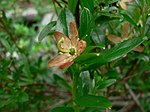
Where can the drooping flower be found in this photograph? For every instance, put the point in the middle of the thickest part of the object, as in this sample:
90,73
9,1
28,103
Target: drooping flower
125,35
123,5
69,48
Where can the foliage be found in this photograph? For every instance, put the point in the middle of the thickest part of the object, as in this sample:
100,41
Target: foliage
104,70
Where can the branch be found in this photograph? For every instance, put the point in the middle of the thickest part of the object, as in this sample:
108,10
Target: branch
2,25
58,104
55,7
77,16
58,4
134,97
65,1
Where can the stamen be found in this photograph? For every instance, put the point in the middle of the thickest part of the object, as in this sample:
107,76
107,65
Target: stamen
71,51
59,46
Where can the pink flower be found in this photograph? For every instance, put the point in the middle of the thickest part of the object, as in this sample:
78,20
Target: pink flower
69,48
123,5
125,35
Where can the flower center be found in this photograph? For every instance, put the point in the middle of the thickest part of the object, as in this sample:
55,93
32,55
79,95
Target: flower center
71,51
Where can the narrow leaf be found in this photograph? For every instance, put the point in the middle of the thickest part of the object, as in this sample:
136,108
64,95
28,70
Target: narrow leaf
113,74
6,44
23,97
88,4
106,83
93,101
94,60
72,5
46,30
64,19
86,23
128,18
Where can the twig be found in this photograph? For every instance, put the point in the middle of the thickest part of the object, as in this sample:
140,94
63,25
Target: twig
125,103
58,4
77,17
129,77
121,103
129,74
131,70
58,104
65,1
2,25
127,97
134,97
53,90
128,107
8,32
55,7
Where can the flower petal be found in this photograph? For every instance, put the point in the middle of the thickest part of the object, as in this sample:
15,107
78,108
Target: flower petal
125,30
139,48
81,47
123,5
73,33
127,0
66,65
61,61
67,43
114,39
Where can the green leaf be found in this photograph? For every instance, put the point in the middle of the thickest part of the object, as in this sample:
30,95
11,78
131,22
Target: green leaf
6,44
61,82
109,2
72,5
86,23
88,4
26,68
94,60
5,20
119,50
88,58
84,84
64,19
6,102
99,35
46,30
106,83
128,18
23,97
93,101
6,99
90,48
113,74
63,109
106,17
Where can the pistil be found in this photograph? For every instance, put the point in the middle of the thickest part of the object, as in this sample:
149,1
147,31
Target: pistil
72,51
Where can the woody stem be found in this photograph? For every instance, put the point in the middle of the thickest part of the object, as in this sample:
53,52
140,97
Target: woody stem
74,92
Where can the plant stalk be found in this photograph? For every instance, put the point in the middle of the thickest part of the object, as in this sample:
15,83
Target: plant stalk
74,92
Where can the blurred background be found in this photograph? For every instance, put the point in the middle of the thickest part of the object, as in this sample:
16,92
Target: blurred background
27,84
25,79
